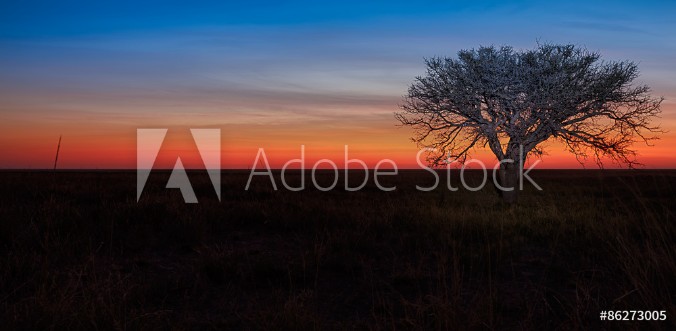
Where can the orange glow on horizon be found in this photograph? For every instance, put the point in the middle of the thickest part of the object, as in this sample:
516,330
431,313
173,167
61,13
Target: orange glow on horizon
26,144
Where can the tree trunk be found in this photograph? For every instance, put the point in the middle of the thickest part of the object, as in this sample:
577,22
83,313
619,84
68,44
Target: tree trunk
509,178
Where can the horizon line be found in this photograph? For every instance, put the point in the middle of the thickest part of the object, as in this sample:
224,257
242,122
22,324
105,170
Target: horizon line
309,169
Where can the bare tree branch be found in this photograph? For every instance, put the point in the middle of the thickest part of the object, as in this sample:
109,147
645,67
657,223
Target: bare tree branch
504,99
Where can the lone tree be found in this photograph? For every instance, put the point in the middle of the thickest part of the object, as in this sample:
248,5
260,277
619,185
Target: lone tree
512,101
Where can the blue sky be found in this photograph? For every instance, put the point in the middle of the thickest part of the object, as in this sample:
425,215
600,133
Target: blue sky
368,45
343,65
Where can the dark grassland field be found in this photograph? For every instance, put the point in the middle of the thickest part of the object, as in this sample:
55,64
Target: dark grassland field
78,252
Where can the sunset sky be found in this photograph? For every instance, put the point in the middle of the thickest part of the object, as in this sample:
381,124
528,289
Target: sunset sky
278,75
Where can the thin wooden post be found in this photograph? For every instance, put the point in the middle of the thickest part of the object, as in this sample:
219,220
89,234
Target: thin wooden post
57,153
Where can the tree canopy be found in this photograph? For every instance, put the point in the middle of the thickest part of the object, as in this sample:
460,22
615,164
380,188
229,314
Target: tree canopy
505,100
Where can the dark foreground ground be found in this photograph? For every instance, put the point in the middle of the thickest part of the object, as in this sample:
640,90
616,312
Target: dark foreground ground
78,252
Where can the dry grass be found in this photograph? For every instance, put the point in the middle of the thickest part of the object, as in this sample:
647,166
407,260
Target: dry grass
79,252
